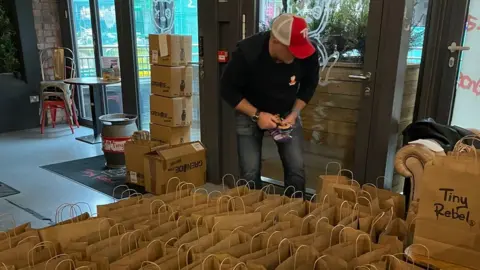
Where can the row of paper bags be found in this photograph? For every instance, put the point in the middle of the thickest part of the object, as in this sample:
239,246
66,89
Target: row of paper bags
347,228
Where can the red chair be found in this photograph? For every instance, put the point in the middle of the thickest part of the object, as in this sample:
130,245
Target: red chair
55,94
55,103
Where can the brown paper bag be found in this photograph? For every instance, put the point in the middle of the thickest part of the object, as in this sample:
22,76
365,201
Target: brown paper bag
329,262
387,199
18,255
270,258
15,231
326,181
395,263
117,248
103,210
153,251
95,241
230,222
66,233
57,262
13,241
304,256
449,210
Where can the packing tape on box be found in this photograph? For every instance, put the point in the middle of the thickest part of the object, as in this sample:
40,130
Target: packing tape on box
153,176
163,45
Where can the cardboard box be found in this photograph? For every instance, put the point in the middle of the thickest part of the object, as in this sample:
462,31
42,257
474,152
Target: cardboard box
170,135
170,50
185,161
134,152
172,81
171,112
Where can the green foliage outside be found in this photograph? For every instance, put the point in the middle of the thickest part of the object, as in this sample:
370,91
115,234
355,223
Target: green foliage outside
8,49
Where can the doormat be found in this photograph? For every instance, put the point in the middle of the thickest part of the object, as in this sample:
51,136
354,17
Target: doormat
6,190
93,173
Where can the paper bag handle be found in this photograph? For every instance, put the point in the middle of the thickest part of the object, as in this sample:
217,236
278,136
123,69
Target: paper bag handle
223,261
369,240
278,249
333,230
149,244
53,258
219,202
118,230
204,260
296,253
323,261
213,192
71,262
225,176
39,245
268,241
253,237
316,226
231,233
303,223
115,188
345,236
239,264
168,184
423,246
332,163
145,263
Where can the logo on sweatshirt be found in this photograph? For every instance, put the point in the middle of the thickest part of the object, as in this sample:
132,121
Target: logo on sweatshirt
293,80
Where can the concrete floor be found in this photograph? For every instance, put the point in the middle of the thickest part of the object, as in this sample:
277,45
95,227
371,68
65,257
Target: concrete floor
42,192
22,153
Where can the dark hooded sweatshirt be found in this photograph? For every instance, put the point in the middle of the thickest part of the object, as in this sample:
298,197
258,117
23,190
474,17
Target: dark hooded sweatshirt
270,87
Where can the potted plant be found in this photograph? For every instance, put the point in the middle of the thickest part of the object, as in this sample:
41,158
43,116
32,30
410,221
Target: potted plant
8,49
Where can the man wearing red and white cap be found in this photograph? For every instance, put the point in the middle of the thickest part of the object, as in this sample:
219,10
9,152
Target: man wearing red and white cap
269,74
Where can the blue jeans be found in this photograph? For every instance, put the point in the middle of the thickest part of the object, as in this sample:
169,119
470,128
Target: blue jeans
250,137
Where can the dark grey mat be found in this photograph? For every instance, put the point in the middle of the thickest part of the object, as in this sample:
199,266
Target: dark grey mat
92,173
6,190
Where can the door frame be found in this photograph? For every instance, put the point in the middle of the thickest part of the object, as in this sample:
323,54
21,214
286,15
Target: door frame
375,144
436,94
68,40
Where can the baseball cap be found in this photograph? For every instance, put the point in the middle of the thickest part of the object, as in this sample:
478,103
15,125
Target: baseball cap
292,31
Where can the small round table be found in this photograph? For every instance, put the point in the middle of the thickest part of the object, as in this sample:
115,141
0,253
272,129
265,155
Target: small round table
95,85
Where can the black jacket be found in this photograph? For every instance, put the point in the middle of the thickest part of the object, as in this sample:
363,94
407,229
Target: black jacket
269,86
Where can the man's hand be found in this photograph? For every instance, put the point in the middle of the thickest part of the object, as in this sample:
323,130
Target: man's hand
267,121
291,119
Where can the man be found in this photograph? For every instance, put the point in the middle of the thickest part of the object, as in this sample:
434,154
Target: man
269,74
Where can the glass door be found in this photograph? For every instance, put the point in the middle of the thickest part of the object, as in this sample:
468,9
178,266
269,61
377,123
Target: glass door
342,100
466,105
88,35
165,16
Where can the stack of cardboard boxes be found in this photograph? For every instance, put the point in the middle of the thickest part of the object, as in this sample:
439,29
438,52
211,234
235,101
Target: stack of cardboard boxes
172,81
171,118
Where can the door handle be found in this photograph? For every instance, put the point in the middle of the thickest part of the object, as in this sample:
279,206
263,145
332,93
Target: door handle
365,77
455,48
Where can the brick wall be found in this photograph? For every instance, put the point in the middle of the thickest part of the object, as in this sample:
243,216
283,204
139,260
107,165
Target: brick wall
47,26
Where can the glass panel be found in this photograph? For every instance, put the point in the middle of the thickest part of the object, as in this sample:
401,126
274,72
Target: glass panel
109,39
467,96
330,119
153,17
416,25
83,35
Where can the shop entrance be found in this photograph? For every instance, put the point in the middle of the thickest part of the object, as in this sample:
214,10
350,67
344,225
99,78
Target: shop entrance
345,112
